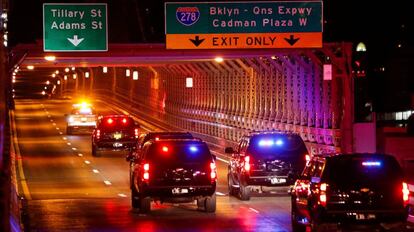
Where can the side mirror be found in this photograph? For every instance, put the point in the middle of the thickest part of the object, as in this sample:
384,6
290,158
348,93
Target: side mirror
229,150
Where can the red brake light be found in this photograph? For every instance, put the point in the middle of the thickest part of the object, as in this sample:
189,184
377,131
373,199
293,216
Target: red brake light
124,121
110,121
213,171
322,196
145,176
406,193
247,163
164,148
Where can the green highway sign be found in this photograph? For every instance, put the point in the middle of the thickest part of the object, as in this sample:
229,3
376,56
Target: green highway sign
243,17
75,27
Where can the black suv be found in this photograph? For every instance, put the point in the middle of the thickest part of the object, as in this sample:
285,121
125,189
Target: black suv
349,188
268,159
174,170
114,132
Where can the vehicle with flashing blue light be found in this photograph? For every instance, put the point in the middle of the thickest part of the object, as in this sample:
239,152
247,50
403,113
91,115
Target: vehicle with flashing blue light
82,118
346,189
174,171
263,161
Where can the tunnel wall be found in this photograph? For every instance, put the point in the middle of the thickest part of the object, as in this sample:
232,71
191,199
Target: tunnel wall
283,92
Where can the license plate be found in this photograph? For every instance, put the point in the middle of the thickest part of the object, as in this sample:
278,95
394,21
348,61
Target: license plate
179,190
277,180
117,145
117,135
361,216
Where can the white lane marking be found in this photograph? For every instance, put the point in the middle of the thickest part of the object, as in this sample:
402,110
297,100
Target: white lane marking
80,154
49,116
95,171
57,128
107,182
122,195
254,210
220,194
64,138
61,133
221,159
87,162
54,124
69,144
51,120
74,148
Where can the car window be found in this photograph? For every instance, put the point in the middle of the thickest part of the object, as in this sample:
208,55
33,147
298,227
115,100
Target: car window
184,153
277,146
365,170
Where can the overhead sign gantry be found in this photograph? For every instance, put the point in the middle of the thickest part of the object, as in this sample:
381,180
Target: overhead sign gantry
75,27
227,25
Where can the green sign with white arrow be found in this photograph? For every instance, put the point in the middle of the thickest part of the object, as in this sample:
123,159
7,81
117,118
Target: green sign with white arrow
75,27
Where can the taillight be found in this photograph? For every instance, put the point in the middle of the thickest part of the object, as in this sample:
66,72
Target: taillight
145,175
246,164
307,158
213,171
406,193
322,194
98,134
165,149
136,133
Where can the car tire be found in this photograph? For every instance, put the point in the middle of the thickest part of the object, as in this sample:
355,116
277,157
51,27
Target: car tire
69,130
244,192
135,203
200,203
210,204
95,152
145,204
230,183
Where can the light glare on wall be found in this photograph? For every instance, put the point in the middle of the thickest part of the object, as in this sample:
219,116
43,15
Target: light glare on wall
105,69
189,82
86,74
127,72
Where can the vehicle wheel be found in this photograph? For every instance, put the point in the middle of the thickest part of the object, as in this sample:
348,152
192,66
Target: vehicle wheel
95,152
145,204
134,198
210,204
69,130
230,183
200,203
244,192
296,227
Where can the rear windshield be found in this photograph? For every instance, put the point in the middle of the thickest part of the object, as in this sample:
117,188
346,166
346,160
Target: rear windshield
116,123
353,170
179,153
277,146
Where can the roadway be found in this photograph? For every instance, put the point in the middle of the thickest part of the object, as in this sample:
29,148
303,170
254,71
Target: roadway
69,190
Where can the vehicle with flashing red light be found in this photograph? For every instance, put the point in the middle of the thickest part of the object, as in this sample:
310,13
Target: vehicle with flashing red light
349,188
114,132
264,161
82,118
174,171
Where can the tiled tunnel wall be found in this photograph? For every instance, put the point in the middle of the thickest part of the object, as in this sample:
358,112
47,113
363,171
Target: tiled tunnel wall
282,92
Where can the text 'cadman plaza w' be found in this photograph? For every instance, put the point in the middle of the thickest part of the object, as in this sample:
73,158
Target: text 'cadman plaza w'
214,25
75,27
